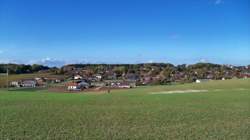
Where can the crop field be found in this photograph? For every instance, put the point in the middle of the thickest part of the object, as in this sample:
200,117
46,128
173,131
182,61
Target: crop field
210,110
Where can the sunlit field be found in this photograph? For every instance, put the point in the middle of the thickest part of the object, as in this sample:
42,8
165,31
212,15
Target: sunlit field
211,110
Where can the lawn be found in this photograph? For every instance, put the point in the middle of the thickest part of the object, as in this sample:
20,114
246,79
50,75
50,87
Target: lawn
222,111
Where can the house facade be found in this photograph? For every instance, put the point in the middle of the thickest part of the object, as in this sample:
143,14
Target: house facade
29,83
77,86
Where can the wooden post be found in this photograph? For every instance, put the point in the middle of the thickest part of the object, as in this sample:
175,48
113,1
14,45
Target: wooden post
109,87
109,83
7,79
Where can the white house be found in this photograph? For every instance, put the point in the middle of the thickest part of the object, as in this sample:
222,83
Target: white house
77,86
201,80
77,77
72,86
98,76
29,83
197,81
15,84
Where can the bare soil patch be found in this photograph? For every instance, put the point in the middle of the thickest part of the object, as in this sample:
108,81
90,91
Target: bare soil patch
97,90
180,91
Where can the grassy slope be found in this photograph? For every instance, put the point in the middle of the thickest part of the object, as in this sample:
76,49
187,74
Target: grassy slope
130,114
14,77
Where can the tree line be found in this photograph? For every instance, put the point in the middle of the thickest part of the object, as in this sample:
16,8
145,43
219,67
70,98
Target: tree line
166,70
22,68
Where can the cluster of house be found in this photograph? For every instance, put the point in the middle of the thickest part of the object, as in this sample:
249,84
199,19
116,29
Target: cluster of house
131,80
35,82
244,75
78,83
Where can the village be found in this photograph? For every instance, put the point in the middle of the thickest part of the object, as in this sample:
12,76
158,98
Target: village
76,83
75,78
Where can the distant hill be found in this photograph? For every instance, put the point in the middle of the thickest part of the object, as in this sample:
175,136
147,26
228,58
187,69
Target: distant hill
154,73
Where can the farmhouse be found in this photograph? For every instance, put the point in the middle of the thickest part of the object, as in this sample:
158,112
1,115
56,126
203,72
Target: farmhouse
77,86
40,81
54,80
98,84
201,80
29,83
98,76
127,85
123,84
78,77
15,84
83,84
72,86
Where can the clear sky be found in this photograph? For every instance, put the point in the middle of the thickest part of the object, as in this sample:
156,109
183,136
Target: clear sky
125,31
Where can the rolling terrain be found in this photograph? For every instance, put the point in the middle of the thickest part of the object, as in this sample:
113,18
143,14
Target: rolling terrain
210,110
16,77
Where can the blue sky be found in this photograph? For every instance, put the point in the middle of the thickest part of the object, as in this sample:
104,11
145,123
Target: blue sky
125,31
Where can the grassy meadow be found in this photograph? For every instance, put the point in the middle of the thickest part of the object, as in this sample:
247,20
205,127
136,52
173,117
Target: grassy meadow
220,111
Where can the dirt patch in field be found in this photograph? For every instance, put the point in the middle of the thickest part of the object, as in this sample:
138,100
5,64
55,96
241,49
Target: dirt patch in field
97,90
194,91
241,89
180,91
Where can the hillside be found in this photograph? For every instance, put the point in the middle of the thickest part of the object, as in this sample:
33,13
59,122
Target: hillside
219,111
15,77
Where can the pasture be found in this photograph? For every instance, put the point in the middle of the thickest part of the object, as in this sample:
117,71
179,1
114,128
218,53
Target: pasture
221,110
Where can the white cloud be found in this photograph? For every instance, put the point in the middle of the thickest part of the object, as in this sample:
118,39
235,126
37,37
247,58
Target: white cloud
203,60
52,62
4,61
218,2
48,62
151,61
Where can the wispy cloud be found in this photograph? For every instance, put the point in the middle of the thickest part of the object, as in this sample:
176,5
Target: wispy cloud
51,62
218,2
203,60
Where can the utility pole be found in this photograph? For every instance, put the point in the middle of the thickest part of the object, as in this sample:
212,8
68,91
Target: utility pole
109,83
7,74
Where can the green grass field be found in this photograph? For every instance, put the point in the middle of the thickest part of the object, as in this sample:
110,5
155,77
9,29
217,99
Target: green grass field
221,111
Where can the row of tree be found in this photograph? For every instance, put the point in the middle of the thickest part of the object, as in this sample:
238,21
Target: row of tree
159,72
199,70
21,68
